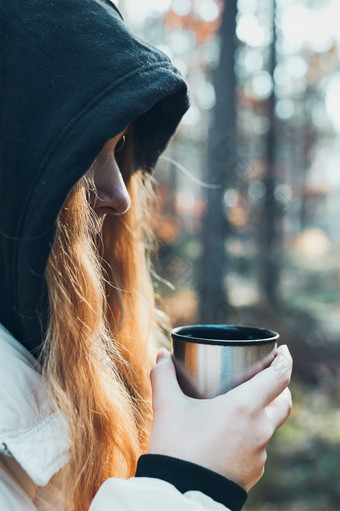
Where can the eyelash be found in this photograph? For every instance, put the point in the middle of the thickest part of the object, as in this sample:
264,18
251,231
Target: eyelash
120,144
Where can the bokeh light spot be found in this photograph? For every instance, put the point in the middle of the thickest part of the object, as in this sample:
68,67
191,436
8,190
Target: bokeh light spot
208,10
262,84
285,109
180,7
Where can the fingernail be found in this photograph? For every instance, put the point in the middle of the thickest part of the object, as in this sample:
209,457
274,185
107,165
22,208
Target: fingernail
280,365
162,354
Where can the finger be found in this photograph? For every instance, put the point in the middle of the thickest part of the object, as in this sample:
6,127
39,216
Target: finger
283,350
164,383
279,410
267,385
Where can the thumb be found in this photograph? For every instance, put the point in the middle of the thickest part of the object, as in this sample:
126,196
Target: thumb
164,383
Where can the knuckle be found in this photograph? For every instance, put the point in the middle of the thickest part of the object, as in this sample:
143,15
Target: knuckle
262,472
154,373
259,473
242,416
289,403
285,378
245,409
266,433
256,468
262,433
263,458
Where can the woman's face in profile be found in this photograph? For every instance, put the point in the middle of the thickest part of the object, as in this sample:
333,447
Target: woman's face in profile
112,196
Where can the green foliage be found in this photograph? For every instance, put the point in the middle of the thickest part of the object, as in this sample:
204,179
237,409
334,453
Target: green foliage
307,475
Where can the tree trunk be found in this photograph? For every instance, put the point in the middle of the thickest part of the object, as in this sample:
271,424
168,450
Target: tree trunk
270,238
213,301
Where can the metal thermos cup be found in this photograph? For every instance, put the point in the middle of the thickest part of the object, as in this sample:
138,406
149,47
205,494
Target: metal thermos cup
212,359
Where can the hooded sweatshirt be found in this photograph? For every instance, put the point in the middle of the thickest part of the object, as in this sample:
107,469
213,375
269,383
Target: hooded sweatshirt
72,76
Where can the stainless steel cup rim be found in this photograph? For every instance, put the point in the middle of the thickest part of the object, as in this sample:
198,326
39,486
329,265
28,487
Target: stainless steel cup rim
243,335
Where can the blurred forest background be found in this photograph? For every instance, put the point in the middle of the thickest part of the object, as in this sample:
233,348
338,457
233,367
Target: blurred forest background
249,205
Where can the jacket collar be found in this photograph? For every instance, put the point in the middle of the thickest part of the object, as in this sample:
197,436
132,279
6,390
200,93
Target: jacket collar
32,430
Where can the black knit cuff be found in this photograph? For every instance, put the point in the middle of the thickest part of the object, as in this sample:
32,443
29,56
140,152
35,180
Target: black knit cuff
186,476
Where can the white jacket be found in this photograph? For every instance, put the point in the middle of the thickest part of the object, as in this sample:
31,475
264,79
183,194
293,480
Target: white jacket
34,445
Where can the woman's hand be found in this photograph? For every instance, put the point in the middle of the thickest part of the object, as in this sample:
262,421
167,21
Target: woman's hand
227,434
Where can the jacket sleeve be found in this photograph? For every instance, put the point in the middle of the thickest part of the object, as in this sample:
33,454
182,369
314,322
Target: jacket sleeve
166,483
149,494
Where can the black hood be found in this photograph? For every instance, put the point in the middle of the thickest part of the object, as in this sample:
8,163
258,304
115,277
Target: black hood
71,77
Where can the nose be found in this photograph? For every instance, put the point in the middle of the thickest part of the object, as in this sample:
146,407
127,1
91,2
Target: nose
112,194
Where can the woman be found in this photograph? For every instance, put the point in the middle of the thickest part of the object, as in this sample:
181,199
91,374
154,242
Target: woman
84,104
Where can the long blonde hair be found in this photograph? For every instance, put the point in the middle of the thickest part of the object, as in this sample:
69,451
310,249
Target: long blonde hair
98,352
